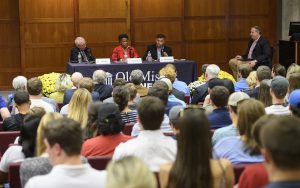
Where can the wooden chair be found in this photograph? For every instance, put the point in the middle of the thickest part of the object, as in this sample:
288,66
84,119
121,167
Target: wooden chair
187,99
1,125
238,169
14,175
99,162
7,138
127,129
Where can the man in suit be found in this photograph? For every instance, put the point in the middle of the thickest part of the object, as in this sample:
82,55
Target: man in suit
81,53
104,90
258,53
159,49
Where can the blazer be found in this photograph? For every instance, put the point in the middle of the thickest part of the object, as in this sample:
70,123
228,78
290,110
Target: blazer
262,52
153,50
75,51
118,53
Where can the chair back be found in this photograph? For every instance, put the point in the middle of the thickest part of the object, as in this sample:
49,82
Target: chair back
14,175
7,138
99,162
127,129
238,169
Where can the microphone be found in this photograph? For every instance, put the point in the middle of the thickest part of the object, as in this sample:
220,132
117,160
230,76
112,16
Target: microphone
130,51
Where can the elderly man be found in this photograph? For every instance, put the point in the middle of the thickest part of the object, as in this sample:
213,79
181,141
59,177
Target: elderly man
104,90
137,77
258,52
81,53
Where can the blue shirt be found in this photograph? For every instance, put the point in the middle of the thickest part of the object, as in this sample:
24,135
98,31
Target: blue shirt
241,85
224,132
284,184
234,149
181,86
173,101
219,118
2,103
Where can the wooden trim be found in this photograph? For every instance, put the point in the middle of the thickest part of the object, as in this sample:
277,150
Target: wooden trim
10,70
137,43
10,45
206,40
7,21
48,20
49,45
97,20
204,17
155,19
132,23
22,35
76,18
248,15
53,69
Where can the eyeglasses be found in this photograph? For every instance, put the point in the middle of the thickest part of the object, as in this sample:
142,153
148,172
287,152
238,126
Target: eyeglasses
190,107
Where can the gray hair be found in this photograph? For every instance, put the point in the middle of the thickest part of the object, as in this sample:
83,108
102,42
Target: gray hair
212,71
99,76
19,83
79,40
136,76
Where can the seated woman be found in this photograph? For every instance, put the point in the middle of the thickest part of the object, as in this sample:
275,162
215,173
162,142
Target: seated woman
242,149
121,97
63,83
193,166
110,125
123,51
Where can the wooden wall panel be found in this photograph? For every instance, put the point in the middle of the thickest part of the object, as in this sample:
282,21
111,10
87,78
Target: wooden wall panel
246,7
205,8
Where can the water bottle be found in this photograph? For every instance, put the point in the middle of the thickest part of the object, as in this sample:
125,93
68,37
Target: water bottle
79,57
125,56
149,57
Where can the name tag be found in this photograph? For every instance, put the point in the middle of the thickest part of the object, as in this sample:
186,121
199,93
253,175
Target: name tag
103,61
134,60
166,59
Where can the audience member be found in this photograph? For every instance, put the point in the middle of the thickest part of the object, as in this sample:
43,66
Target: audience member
63,83
177,84
117,82
137,77
294,82
134,98
278,70
150,145
243,148
251,80
110,125
19,84
278,90
75,78
264,95
294,103
37,111
243,73
123,51
63,140
193,166
207,105
231,130
129,172
229,85
174,116
22,103
104,90
92,123
293,68
87,83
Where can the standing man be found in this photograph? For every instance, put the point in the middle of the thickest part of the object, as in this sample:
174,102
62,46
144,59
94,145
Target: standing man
258,52
81,53
155,51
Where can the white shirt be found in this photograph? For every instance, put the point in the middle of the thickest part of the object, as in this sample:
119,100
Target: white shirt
278,110
164,127
41,103
62,176
152,146
64,110
13,154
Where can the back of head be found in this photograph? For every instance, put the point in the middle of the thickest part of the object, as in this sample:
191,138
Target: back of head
251,80
192,164
121,97
263,72
75,78
159,90
212,71
294,101
136,77
21,97
279,86
119,82
87,83
63,83
19,83
151,113
109,119
235,98
219,96
34,86
280,138
229,85
264,93
92,124
168,72
244,70
294,81
38,111
129,172
66,133
172,67
99,76
293,68
279,70
214,82
168,82
132,91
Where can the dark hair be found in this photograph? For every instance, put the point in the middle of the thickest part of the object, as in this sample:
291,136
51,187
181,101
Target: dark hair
219,96
294,81
280,138
192,164
159,90
119,82
257,28
249,112
244,70
203,68
21,97
264,93
121,97
34,86
214,82
28,134
229,85
160,35
121,36
151,112
263,72
279,70
295,110
92,123
67,133
258,125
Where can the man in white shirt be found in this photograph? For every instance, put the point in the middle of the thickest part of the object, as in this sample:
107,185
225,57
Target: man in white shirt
63,140
278,90
151,145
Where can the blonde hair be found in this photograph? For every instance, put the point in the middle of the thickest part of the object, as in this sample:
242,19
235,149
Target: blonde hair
63,83
168,72
78,106
251,80
129,172
48,117
293,68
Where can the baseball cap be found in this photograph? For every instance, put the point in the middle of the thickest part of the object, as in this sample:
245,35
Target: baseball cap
109,111
294,98
167,81
279,85
237,97
175,112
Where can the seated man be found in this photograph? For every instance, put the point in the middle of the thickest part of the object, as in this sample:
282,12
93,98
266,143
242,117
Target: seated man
278,70
81,53
137,77
219,117
151,145
177,84
294,103
104,90
63,140
155,51
278,90
243,73
22,103
258,53
123,51
281,150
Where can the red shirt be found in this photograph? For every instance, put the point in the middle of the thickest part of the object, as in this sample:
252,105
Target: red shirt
103,145
118,53
254,176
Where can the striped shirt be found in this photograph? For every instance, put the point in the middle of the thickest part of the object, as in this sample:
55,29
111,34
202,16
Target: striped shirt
129,117
278,110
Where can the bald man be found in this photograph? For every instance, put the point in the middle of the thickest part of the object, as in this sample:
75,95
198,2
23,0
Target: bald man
81,53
